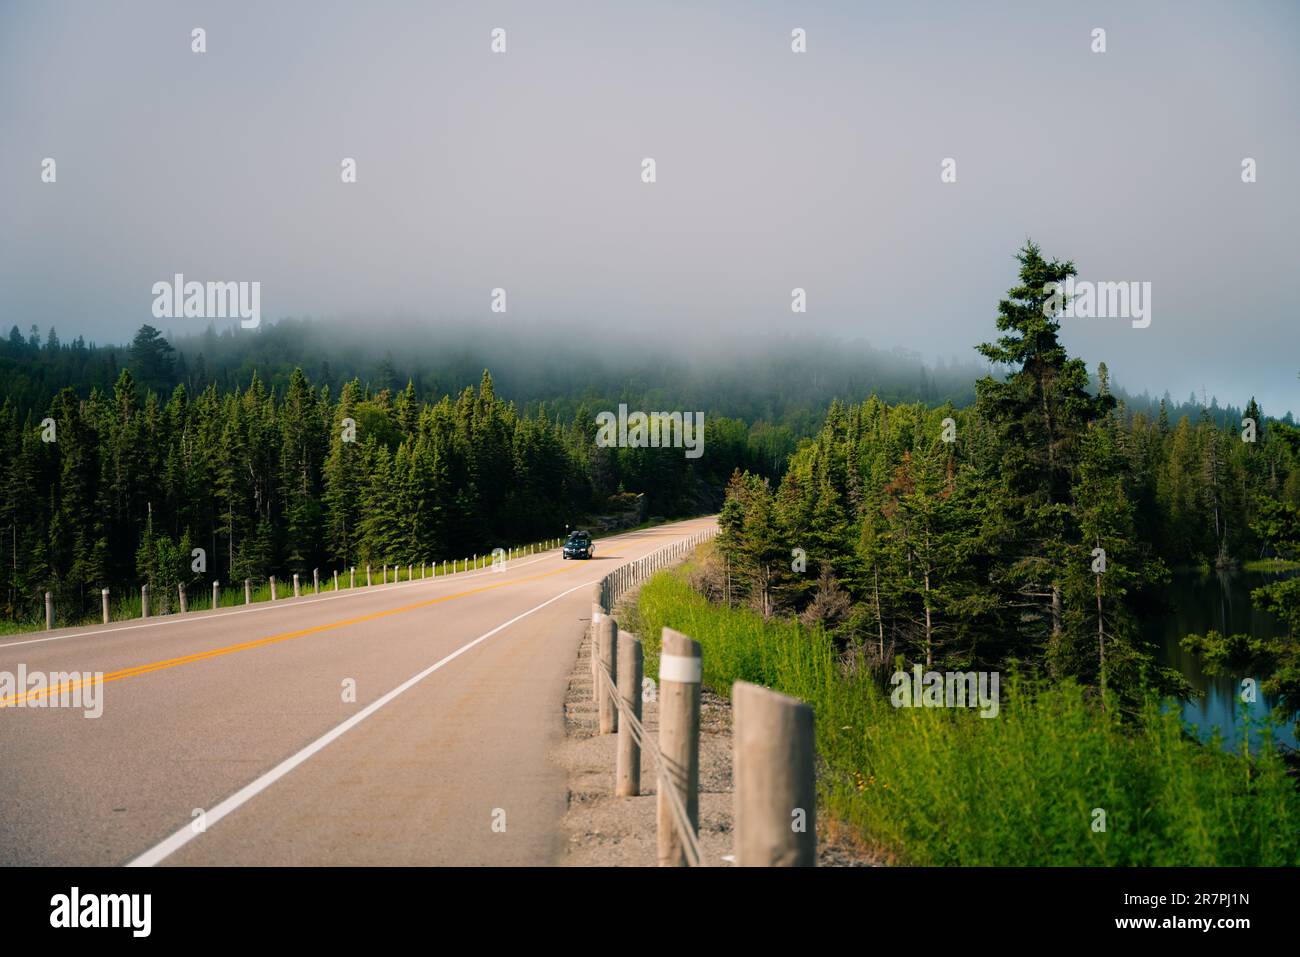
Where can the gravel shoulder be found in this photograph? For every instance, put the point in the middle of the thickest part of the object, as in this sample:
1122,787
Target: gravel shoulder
604,831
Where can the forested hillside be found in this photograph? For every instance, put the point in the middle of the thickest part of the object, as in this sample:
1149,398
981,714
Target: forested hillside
122,485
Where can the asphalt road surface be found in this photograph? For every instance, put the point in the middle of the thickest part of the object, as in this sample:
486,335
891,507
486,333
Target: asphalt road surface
226,738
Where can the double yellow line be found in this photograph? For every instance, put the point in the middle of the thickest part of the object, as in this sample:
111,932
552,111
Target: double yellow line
258,643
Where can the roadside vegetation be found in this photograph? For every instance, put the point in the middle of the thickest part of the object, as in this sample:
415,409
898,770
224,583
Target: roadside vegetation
944,786
1024,537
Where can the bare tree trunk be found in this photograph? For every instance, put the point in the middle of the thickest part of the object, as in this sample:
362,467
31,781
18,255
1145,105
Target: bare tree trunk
880,618
1101,644
929,627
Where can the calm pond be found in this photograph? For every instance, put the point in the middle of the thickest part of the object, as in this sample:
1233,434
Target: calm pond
1218,601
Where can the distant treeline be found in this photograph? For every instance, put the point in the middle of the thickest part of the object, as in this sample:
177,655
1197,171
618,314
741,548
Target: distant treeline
781,385
785,383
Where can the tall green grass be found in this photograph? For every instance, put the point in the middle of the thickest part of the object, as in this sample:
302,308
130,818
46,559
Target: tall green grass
945,786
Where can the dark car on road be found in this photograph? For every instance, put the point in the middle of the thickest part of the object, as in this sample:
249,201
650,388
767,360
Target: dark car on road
578,545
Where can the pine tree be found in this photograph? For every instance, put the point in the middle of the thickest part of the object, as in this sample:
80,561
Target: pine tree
1039,413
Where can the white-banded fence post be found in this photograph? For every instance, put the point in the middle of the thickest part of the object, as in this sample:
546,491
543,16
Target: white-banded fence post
180,594
248,592
49,611
607,650
216,594
627,779
774,749
315,580
679,740
144,601
103,597
272,588
295,584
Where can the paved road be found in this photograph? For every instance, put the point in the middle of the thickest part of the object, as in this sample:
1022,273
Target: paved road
239,714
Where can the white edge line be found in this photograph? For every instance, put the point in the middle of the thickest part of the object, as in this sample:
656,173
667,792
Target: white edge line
170,845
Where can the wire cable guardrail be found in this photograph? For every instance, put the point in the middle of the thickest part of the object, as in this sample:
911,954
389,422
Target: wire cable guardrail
773,741
690,838
613,707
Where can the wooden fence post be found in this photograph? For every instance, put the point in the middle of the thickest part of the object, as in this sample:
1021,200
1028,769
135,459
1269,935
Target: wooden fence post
679,740
627,779
607,650
774,751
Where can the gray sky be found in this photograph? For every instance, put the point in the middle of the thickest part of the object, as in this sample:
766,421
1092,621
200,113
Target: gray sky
775,169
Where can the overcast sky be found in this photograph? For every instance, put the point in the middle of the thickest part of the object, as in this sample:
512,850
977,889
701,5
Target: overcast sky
774,170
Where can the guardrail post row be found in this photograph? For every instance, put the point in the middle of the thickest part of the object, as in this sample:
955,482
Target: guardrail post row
680,671
607,650
627,776
103,595
775,779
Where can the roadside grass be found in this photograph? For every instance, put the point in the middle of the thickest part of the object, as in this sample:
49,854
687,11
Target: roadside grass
943,786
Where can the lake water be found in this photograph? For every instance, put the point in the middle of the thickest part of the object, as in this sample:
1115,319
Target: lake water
1218,601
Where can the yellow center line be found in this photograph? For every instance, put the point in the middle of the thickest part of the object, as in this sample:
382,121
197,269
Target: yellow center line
260,642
